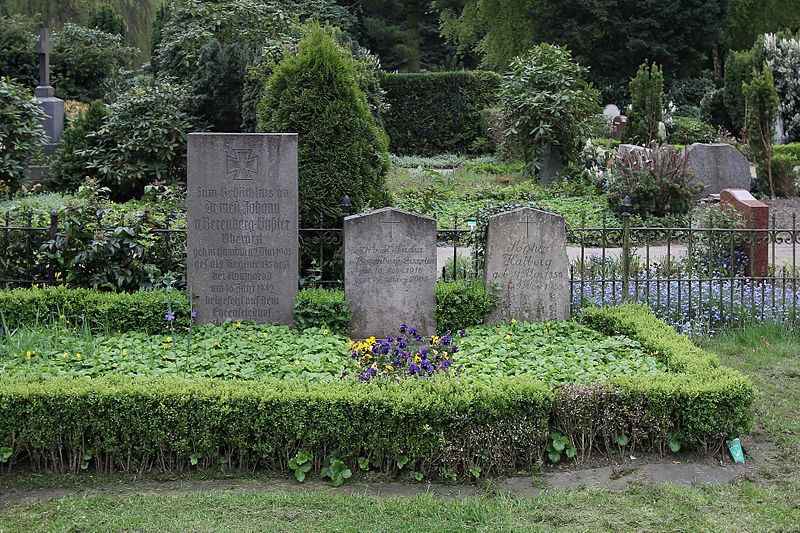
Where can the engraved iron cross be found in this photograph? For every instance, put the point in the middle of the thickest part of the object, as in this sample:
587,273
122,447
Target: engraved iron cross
242,164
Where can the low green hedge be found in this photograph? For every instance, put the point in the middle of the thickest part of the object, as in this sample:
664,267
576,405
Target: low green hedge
440,425
138,311
439,112
445,425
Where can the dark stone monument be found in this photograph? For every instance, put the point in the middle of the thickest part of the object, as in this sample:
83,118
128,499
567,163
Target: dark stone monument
618,125
390,271
526,254
53,107
242,226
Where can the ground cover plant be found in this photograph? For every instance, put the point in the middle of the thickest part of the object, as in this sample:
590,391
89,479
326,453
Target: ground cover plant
245,395
763,500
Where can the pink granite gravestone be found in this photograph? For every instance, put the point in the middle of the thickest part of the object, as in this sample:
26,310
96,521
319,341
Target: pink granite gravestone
756,216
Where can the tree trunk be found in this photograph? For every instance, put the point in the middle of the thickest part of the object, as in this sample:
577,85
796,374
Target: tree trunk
412,40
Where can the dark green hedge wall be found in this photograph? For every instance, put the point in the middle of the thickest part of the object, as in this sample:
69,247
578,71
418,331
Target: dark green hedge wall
439,112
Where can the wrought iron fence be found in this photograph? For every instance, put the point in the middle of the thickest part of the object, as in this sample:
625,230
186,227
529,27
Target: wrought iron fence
697,278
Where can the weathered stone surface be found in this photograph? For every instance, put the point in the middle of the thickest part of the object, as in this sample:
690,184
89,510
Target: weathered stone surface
241,215
390,271
526,254
625,148
718,166
611,111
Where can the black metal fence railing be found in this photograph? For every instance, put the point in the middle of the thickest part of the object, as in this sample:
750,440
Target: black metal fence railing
697,278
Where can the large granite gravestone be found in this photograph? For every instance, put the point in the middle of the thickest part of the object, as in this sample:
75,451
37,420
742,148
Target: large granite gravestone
526,254
718,166
390,271
242,226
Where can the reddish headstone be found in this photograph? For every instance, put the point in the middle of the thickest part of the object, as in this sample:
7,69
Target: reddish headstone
756,216
618,124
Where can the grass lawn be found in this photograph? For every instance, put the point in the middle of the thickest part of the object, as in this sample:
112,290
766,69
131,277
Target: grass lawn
767,500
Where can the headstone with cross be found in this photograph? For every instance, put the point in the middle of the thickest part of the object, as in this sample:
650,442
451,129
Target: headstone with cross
526,256
53,123
44,48
242,226
390,271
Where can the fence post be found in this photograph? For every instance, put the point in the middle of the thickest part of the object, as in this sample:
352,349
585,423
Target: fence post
51,274
626,246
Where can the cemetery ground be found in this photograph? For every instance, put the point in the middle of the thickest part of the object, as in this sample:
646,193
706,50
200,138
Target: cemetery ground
605,494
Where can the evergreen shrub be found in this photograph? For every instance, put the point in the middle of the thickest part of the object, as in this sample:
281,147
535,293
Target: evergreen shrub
646,110
69,169
686,130
315,93
439,112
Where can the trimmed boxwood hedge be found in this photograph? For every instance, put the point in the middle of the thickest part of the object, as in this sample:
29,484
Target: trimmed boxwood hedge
137,311
439,112
442,425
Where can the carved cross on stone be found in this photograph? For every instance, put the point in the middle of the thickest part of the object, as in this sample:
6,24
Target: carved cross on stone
44,48
527,223
391,223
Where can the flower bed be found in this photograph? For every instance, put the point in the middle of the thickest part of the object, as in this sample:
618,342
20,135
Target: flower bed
441,427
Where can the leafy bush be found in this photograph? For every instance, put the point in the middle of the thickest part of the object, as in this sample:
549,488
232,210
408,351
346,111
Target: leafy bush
438,112
687,130
782,55
462,303
322,308
646,105
658,183
127,258
137,311
106,20
547,102
315,93
21,136
142,140
689,91
18,58
69,169
790,151
86,61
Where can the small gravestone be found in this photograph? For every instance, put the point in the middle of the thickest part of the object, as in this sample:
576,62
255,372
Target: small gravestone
718,166
526,255
242,226
390,271
618,125
611,111
639,150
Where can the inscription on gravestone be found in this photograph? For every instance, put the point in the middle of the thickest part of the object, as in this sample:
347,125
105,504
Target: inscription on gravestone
526,255
242,236
390,271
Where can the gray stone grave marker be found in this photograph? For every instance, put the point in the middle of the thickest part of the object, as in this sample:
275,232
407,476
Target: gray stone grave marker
526,255
718,166
390,271
242,226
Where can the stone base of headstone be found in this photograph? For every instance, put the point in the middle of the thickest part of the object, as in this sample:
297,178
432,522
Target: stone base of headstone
756,216
53,122
551,164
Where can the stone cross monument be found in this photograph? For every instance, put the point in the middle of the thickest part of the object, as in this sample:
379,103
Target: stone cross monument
53,107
